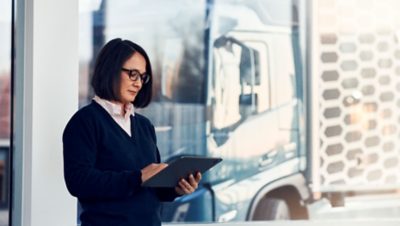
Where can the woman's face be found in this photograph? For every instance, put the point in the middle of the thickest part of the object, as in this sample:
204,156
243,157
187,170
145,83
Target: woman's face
129,88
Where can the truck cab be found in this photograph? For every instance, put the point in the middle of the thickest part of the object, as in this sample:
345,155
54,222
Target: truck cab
254,118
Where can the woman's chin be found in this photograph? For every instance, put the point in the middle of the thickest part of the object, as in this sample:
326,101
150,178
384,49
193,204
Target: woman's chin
129,99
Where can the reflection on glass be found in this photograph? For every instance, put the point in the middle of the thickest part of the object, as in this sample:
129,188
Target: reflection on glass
5,106
228,82
172,32
212,90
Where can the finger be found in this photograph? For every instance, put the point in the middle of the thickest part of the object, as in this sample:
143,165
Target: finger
179,190
193,182
150,167
163,165
153,166
191,179
186,186
198,177
183,190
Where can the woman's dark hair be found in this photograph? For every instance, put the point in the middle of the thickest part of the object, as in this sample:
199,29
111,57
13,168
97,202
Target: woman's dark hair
106,76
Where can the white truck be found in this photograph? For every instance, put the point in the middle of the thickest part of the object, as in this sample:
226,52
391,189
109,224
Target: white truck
297,98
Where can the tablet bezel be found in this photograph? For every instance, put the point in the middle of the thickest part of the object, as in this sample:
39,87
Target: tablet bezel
181,168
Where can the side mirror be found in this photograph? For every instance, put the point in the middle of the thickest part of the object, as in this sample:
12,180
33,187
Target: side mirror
249,61
248,103
245,99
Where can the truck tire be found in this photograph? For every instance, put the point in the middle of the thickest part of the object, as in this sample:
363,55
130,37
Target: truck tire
272,209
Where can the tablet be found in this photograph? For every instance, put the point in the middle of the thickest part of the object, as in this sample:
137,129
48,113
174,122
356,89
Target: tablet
181,168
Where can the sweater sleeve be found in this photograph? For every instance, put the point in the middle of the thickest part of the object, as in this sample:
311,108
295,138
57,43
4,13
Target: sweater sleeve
166,194
83,180
163,194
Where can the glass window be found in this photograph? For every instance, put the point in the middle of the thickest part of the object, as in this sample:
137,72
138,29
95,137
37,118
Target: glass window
172,33
5,106
237,82
228,82
173,38
230,61
235,74
261,63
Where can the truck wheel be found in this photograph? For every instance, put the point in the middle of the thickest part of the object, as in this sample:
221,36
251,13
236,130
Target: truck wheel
272,209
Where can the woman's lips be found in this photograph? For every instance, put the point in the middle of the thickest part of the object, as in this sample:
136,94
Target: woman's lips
132,92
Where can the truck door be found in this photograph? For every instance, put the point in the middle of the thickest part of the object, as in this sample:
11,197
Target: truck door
244,128
285,97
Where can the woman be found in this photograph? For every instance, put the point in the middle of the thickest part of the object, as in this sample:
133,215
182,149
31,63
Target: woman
109,150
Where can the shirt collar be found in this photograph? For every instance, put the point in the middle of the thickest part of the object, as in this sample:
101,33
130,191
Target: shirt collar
115,109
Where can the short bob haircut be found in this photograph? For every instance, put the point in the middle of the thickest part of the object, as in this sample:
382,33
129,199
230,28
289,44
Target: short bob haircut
106,78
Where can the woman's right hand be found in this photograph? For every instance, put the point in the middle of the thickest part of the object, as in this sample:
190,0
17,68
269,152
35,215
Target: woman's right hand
152,169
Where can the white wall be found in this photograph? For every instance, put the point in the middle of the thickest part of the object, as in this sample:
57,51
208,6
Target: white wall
46,96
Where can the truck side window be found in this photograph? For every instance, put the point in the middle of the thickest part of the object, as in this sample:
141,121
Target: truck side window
237,82
226,83
255,74
249,81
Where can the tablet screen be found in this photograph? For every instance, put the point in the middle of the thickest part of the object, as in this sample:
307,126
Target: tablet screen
181,168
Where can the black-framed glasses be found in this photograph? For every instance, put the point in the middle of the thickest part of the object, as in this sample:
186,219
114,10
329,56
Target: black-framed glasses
134,75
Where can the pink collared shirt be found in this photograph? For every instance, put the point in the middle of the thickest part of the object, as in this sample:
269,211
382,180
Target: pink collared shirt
114,110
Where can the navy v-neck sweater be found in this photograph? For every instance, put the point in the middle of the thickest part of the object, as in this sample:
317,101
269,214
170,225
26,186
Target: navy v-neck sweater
102,166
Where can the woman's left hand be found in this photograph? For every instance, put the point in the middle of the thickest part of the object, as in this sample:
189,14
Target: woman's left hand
188,186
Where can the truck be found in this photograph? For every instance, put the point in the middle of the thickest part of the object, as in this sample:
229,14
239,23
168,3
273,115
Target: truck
229,84
262,85
298,97
252,116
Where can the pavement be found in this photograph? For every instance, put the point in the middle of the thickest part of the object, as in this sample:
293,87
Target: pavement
382,210
359,208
